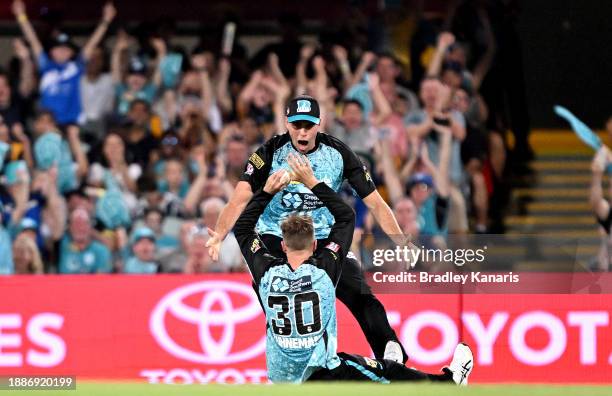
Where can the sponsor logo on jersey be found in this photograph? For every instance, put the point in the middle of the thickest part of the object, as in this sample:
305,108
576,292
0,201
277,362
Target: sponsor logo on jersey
333,246
256,160
284,285
297,342
371,362
256,245
301,201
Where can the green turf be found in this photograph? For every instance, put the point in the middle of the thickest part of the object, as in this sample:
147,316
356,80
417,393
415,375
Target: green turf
342,389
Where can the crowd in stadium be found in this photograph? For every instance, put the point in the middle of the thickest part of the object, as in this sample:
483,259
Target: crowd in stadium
117,156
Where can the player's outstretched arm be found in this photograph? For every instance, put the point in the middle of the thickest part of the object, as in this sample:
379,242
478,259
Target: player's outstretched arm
228,216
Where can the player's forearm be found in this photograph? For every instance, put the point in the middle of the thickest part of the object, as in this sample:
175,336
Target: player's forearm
383,215
233,209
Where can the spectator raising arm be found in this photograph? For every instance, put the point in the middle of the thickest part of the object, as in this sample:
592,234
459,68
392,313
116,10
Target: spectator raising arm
445,40
281,94
341,56
194,195
484,64
440,172
300,69
199,63
27,81
382,109
22,137
599,205
55,212
160,50
79,155
108,14
122,43
26,27
394,181
224,100
246,95
367,59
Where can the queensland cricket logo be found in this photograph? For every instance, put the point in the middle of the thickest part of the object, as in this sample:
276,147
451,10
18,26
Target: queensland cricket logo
303,106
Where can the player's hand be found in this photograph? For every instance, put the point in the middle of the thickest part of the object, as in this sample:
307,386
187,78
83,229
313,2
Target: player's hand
276,182
214,244
301,170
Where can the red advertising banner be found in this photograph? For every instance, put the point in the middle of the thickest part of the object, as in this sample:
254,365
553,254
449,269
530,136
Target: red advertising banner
201,329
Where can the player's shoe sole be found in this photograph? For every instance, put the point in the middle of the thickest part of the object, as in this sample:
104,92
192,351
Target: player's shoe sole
393,351
462,364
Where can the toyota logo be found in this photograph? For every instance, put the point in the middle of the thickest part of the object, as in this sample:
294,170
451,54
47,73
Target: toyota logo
215,309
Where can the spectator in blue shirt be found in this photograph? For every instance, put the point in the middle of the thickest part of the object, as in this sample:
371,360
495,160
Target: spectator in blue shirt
139,255
79,252
60,71
136,84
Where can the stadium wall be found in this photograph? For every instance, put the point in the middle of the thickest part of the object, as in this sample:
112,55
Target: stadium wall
201,329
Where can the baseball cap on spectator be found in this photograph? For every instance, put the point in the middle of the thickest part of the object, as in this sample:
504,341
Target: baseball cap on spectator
142,233
420,178
137,66
27,224
304,108
62,39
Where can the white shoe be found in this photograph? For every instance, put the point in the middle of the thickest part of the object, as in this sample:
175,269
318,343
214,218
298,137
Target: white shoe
462,364
393,351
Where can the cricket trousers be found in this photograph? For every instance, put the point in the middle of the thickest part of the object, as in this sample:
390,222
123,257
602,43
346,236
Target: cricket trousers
359,368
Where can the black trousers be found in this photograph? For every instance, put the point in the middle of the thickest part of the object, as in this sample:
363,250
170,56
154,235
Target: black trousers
356,294
359,368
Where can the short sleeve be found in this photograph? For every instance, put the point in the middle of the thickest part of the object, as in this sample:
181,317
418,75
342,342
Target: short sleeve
44,63
258,166
356,173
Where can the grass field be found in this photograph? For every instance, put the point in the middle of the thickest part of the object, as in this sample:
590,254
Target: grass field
341,389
